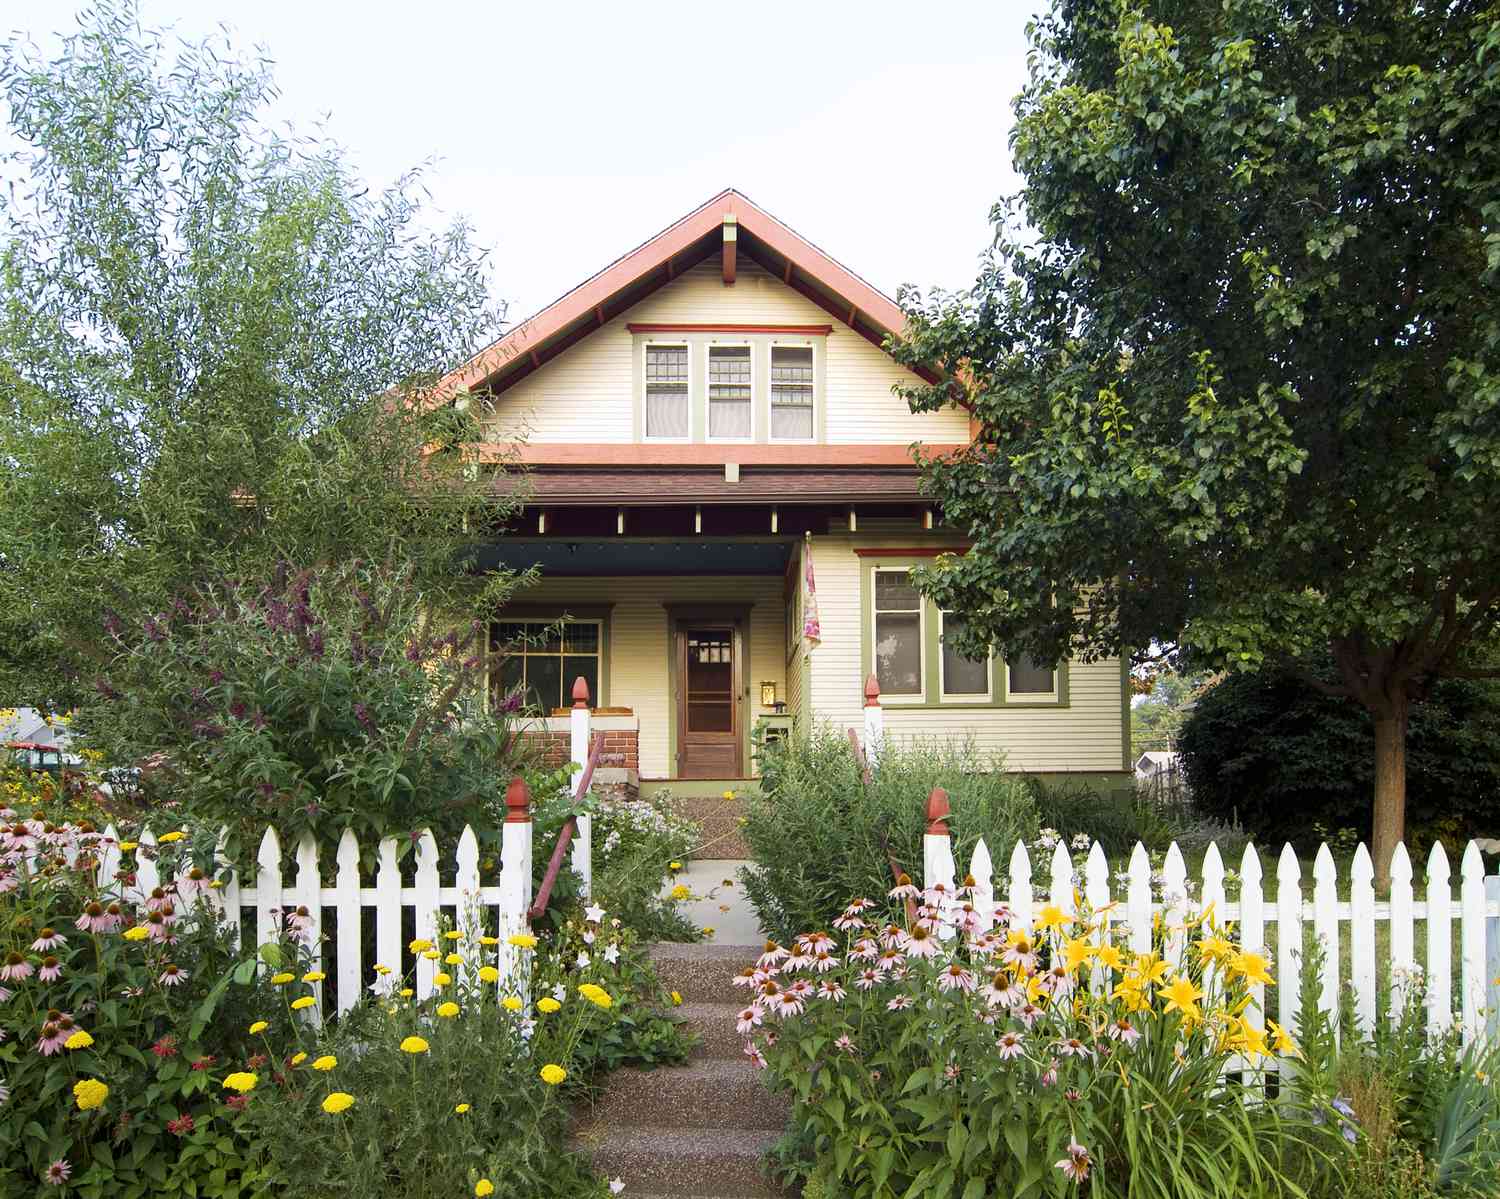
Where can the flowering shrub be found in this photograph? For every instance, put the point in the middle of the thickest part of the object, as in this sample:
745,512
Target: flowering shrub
459,1093
932,1050
120,1022
634,840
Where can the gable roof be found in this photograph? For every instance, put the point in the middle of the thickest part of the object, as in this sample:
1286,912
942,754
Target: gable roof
774,246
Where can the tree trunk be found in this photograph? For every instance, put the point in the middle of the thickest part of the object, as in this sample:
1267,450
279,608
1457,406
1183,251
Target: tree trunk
1390,785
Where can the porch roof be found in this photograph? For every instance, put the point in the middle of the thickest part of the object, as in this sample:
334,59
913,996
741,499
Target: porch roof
555,486
622,556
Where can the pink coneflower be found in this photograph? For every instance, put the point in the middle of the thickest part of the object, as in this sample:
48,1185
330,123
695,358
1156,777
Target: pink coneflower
788,1005
985,944
1076,1164
748,977
829,988
858,906
937,894
904,889
863,950
920,943
1057,982
1020,952
16,969
94,918
899,1003
52,1038
772,955
1123,1030
844,1045
1002,990
157,928
816,942
757,1058
57,1173
869,977
802,989
8,881
984,1015
115,916
172,976
1009,1046
890,936
51,970
968,921
748,1019
299,924
770,1037
194,882
1073,1047
1049,1075
48,939
846,921
1028,1014
889,959
798,959
824,961
1072,1094
157,900
955,977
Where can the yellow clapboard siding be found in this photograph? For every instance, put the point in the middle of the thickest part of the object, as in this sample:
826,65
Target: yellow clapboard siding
586,393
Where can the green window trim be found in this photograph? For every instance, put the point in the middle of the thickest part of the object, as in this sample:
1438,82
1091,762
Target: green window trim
932,621
600,613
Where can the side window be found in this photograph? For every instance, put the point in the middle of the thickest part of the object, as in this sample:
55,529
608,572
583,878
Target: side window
963,678
791,393
667,393
1027,678
897,635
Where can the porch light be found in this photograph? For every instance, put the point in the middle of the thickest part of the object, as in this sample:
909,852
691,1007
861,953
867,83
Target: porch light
768,695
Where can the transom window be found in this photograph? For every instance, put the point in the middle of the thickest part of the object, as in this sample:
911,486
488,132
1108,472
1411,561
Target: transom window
898,634
791,393
667,392
543,657
729,393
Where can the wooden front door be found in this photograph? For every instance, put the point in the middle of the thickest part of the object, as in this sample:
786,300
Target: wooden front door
709,693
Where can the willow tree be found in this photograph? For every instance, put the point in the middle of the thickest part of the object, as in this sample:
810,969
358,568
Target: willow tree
1234,357
213,341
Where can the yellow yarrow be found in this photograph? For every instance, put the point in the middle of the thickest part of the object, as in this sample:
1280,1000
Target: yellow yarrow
282,978
89,1093
511,1003
461,1108
129,846
448,1010
258,1027
453,959
453,935
552,1074
298,1058
168,838
431,955
489,940
521,940
441,979
596,995
338,1101
79,1040
682,892
414,1045
314,976
326,1062
420,945
305,1002
547,1004
676,999
674,867
488,974
406,992
483,1187
241,1080
138,933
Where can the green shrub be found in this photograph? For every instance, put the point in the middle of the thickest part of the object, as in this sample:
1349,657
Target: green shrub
634,843
1150,813
819,834
1270,752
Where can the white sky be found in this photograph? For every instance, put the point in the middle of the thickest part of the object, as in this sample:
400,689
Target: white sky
569,133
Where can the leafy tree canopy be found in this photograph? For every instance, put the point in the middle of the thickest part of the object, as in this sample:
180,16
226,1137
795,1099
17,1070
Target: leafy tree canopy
1238,382
209,338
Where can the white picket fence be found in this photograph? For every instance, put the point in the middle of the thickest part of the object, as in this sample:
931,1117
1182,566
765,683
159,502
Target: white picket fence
1275,925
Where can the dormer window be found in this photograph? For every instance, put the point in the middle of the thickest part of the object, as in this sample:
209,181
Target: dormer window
730,379
791,393
667,393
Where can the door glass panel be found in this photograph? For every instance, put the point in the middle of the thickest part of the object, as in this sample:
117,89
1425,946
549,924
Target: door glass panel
710,681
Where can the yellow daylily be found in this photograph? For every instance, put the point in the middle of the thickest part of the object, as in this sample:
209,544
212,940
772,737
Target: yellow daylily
1182,996
1251,967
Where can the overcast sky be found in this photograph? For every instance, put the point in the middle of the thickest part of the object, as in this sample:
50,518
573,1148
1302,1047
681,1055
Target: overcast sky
569,133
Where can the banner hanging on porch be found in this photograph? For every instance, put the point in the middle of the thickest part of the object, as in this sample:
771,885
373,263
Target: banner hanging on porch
811,628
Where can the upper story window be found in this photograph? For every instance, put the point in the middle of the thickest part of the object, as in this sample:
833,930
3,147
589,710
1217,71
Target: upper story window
730,391
791,393
667,413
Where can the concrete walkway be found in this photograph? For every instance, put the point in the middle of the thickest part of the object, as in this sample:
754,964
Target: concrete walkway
717,906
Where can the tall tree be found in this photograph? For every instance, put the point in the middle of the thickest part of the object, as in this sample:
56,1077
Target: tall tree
1235,355
213,344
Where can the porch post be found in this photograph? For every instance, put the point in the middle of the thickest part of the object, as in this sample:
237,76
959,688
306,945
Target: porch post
515,880
874,721
583,839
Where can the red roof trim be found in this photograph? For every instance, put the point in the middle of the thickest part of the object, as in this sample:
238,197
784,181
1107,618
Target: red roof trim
875,308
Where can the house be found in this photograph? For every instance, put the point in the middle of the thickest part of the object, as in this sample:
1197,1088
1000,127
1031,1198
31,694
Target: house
725,507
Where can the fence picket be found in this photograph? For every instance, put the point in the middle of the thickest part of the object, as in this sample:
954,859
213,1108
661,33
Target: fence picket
1439,943
469,920
1253,940
226,878
982,870
350,914
388,948
268,888
308,894
1174,905
1096,891
109,857
1138,900
1403,959
1326,929
427,910
147,876
1019,896
1362,938
1288,938
1471,942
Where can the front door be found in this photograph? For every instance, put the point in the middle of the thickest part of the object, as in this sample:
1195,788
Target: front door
708,700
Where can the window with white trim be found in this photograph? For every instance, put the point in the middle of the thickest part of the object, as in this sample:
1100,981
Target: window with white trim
897,639
791,393
1026,678
667,393
962,678
542,659
729,393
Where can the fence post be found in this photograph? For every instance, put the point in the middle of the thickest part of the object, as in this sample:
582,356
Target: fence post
874,721
583,837
1492,955
515,875
937,857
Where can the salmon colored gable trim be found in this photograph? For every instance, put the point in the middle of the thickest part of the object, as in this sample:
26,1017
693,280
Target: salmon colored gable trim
629,453
800,330
589,297
908,551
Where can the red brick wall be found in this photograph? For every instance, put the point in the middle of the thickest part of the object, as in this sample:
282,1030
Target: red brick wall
622,749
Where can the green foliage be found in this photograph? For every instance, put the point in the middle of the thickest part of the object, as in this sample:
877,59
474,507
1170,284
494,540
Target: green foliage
1290,763
211,340
1156,719
1236,354
321,700
819,835
634,841
1150,813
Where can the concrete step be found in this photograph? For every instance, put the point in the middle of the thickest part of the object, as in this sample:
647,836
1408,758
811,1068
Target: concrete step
704,973
709,1093
697,807
713,1023
722,837
687,1162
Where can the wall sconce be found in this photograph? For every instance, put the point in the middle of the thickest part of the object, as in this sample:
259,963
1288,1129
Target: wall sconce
768,695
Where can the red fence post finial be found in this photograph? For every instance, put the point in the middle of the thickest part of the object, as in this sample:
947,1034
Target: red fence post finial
580,692
518,802
872,692
937,813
